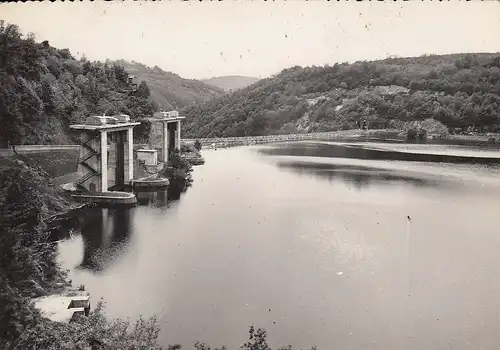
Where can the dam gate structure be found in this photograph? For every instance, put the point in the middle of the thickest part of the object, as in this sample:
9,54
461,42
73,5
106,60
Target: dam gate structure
165,133
106,158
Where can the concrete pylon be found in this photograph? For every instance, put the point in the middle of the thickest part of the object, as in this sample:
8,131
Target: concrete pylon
165,134
97,174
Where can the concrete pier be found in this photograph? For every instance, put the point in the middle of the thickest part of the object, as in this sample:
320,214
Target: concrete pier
106,152
165,134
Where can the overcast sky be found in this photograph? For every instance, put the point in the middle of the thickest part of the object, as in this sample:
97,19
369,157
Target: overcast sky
257,38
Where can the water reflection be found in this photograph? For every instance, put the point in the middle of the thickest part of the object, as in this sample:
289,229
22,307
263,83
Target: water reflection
159,199
333,150
152,198
358,176
311,261
106,232
106,235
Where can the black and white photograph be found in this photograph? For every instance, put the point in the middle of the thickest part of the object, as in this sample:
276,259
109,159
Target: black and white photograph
250,175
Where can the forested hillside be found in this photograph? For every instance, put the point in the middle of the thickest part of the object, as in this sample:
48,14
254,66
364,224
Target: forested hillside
44,89
458,90
169,90
231,82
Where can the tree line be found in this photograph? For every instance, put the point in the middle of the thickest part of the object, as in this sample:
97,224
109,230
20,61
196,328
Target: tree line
457,90
44,89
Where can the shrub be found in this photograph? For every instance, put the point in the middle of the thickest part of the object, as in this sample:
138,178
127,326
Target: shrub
178,171
197,145
411,134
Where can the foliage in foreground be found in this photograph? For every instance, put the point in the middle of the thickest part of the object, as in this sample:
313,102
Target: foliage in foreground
257,340
98,332
27,257
28,269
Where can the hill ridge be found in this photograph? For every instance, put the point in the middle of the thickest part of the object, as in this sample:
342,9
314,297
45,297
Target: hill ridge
169,90
232,82
457,90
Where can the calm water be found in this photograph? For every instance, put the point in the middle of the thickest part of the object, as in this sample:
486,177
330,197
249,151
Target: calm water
311,241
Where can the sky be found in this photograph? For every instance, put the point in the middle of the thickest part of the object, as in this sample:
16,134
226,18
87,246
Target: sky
255,38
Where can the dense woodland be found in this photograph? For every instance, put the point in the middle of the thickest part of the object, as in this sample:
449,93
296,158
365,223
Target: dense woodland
44,89
458,90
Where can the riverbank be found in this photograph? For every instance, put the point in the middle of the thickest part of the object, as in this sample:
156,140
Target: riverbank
33,205
29,272
60,161
399,135
31,208
332,135
327,232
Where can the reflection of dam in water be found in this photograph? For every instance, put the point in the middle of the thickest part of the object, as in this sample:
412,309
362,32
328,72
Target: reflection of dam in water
155,198
104,231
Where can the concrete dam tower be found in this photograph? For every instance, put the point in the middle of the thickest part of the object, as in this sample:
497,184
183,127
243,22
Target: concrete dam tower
106,153
165,133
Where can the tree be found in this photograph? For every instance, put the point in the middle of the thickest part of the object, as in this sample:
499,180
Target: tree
143,90
197,145
177,171
43,90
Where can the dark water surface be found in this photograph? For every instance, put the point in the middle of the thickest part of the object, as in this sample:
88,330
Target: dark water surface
311,241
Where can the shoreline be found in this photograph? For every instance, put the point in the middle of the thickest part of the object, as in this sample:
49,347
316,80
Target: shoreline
340,135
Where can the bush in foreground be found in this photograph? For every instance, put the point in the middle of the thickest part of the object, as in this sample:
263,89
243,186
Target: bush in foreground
28,269
98,332
257,340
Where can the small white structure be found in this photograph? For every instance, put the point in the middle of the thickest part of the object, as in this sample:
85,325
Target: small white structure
63,308
149,156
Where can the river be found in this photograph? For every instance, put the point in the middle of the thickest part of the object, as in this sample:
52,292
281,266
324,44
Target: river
339,245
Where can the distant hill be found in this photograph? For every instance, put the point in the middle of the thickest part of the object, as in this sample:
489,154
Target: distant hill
458,90
231,82
168,89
